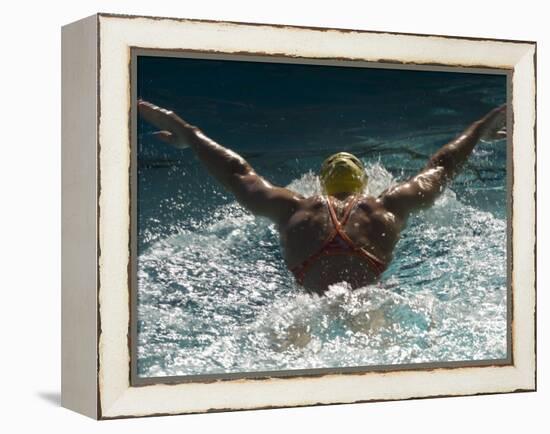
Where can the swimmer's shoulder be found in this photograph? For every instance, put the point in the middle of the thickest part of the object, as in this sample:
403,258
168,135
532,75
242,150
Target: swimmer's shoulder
368,203
309,206
313,202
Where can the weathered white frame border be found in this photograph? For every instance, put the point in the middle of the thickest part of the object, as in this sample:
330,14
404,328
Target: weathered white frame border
114,396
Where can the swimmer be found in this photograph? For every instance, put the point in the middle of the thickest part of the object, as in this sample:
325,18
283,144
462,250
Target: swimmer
343,234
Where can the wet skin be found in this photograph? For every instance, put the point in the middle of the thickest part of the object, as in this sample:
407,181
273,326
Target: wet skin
304,223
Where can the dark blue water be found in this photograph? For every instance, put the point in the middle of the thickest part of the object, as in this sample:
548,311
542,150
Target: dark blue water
214,295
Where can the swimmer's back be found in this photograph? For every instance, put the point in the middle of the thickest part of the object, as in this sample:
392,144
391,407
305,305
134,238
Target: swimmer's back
369,226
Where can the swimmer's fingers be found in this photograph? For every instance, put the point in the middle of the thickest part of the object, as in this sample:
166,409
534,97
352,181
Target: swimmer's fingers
163,119
494,134
501,134
494,124
166,136
173,130
171,139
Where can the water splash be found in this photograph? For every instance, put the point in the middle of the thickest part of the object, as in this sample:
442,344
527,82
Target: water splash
218,298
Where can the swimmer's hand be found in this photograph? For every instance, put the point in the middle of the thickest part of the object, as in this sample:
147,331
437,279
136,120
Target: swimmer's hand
172,129
493,124
421,190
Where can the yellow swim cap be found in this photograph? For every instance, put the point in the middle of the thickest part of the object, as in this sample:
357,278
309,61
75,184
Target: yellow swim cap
343,172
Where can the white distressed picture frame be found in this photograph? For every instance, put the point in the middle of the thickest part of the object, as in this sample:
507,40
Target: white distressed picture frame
96,157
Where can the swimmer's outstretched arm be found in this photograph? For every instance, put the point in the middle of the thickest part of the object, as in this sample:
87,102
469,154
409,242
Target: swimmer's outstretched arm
229,168
422,190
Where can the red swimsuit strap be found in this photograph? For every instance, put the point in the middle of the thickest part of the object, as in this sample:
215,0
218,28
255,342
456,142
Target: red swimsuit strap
300,270
339,223
378,265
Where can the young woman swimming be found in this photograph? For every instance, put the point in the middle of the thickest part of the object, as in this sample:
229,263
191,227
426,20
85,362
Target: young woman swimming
342,235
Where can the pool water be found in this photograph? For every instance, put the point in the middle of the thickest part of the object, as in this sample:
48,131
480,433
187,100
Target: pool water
214,295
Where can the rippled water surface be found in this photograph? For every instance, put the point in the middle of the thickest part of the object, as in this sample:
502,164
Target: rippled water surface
214,295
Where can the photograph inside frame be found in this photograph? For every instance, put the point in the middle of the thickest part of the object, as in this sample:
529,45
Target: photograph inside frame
294,217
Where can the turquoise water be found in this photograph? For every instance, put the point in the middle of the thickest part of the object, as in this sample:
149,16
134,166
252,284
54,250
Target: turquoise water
214,295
